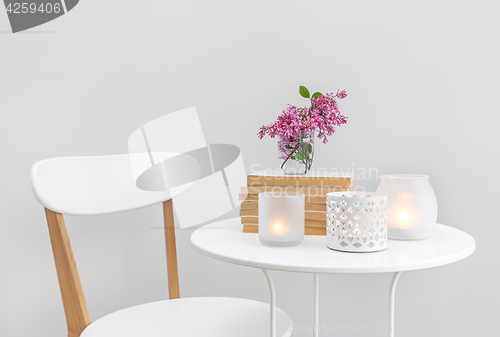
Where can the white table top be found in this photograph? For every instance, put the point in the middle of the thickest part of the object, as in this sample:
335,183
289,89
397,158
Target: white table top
225,241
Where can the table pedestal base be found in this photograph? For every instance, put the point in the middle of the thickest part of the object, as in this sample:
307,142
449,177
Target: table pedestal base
272,302
392,293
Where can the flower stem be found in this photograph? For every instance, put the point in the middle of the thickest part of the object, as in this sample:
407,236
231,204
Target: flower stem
289,156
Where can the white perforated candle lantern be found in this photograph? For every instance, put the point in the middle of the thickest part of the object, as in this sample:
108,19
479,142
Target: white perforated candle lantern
356,222
413,208
281,219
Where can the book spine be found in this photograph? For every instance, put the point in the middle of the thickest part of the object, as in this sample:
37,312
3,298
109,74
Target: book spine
307,215
307,222
306,190
252,228
300,181
313,199
254,204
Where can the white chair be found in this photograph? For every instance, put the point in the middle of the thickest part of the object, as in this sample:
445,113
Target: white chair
103,185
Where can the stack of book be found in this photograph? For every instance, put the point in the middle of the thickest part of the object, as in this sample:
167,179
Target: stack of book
313,185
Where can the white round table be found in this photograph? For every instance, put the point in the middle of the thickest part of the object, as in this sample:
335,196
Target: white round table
225,241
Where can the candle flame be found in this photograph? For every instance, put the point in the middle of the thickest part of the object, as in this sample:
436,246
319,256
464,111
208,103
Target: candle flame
277,227
403,217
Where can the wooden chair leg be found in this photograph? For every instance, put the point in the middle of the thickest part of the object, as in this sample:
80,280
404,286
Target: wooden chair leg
173,276
75,307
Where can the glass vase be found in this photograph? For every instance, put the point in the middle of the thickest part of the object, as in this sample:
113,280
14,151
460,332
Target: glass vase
296,155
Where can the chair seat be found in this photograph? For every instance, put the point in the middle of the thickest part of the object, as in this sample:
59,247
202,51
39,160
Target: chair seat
192,317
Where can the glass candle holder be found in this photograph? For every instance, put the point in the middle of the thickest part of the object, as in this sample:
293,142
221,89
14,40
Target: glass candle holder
281,218
412,206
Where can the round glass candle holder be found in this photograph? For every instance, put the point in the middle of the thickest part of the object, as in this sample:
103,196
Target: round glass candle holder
356,222
412,211
281,218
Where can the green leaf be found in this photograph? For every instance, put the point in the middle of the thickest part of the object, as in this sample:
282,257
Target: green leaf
309,148
317,94
293,157
299,156
304,92
288,147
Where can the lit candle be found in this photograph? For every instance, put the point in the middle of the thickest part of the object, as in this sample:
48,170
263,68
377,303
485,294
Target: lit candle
277,227
403,215
403,218
281,218
412,205
356,221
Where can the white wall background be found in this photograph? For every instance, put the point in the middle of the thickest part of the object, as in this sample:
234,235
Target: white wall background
423,79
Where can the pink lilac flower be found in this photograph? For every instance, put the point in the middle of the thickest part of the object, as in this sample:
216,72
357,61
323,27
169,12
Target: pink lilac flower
297,123
342,94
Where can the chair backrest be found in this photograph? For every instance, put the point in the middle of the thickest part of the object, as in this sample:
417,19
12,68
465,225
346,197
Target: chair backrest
91,186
